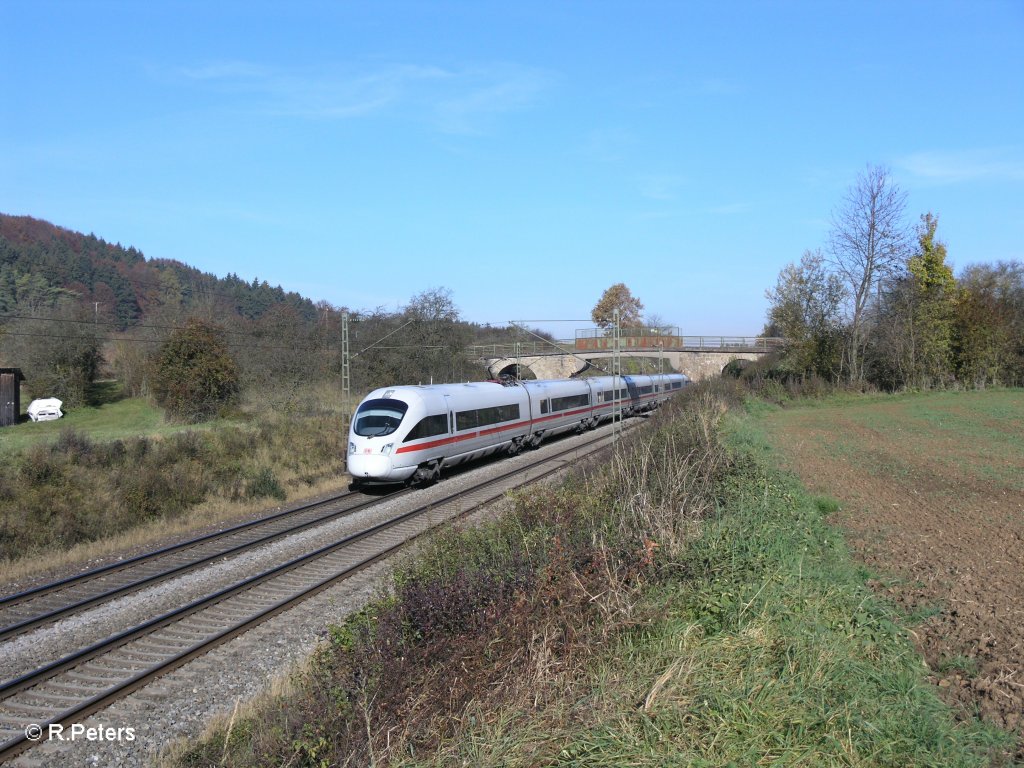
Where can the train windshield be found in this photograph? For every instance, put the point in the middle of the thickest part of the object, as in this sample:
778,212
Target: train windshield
379,417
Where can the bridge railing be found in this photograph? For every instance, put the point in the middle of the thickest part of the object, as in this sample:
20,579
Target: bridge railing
524,348
728,343
654,344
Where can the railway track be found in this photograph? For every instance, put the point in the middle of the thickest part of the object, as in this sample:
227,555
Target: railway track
71,688
41,605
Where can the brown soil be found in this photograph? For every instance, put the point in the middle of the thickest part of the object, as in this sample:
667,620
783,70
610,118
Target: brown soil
946,540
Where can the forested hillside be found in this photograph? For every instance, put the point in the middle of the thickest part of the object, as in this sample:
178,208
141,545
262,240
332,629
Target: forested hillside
39,261
74,308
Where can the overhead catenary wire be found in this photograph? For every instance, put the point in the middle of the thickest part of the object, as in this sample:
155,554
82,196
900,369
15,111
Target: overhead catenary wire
239,345
374,347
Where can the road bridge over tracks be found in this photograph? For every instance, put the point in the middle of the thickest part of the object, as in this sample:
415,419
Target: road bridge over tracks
699,357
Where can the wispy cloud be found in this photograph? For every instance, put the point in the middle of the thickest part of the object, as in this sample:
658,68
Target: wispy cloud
720,86
607,145
729,209
484,93
453,101
660,186
1006,163
225,70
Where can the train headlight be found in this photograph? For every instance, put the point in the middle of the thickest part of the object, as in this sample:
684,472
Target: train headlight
351,448
386,450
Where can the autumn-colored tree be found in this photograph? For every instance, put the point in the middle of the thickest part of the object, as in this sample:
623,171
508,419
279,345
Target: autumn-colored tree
194,375
805,311
988,332
617,297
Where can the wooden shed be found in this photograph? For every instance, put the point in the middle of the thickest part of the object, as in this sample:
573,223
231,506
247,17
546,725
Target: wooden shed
10,395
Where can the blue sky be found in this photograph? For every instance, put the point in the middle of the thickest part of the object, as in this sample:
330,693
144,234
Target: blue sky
526,155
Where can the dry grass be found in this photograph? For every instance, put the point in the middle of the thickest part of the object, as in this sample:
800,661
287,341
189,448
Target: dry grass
210,515
74,500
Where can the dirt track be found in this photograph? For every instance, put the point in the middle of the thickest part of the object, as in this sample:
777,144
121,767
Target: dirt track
939,515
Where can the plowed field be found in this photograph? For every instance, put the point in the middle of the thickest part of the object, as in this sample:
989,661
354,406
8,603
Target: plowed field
931,489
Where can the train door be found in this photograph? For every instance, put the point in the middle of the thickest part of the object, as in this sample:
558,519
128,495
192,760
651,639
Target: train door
633,392
451,415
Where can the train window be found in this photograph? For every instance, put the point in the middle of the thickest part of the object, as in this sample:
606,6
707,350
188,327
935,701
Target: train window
429,427
379,417
481,417
466,420
543,406
573,401
646,390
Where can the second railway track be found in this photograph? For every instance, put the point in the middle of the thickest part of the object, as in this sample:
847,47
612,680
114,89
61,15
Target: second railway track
32,608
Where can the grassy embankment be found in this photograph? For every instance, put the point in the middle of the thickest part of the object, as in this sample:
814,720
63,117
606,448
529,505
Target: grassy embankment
116,475
687,604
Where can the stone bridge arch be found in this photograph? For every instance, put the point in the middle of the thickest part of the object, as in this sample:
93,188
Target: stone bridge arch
697,365
542,366
709,365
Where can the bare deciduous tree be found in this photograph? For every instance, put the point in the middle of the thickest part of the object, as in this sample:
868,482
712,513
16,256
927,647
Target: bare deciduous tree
868,240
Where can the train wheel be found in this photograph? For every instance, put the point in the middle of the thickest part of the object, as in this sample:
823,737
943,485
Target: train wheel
427,474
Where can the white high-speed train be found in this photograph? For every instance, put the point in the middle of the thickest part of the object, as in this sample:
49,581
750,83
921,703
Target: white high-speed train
410,433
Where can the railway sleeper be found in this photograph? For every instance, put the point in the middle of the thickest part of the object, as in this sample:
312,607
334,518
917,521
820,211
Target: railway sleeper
44,697
27,709
119,665
87,690
92,675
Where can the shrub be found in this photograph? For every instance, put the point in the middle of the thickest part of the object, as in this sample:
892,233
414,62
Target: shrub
194,375
265,484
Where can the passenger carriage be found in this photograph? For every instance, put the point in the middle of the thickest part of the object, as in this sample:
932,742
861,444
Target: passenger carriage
410,433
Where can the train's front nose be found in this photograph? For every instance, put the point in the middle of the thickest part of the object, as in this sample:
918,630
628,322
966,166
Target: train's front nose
365,463
373,438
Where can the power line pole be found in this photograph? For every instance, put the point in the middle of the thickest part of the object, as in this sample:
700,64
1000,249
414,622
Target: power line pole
346,368
616,373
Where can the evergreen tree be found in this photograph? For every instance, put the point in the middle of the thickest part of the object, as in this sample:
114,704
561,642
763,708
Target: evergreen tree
934,294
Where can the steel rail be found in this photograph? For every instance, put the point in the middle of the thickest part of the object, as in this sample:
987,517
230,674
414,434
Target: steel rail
80,709
121,564
79,604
